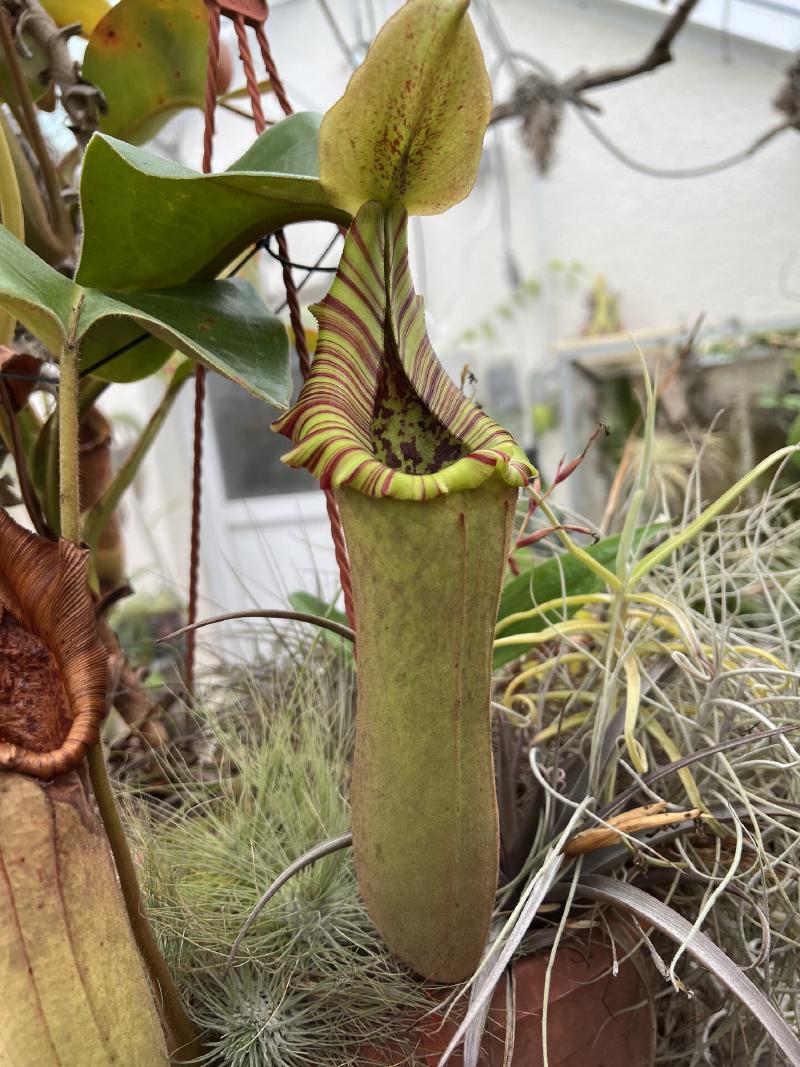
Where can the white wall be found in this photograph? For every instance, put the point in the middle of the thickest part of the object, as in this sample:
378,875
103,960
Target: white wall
727,245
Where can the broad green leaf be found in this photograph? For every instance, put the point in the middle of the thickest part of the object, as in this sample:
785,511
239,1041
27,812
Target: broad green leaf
222,324
138,358
38,295
149,58
314,605
547,581
289,147
410,126
172,225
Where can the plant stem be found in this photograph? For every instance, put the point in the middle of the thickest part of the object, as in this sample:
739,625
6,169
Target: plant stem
181,1034
603,573
68,452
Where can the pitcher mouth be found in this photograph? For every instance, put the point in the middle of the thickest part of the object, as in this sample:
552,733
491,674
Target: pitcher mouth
45,594
378,411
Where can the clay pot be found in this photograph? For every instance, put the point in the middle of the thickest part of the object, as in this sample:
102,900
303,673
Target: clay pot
594,1020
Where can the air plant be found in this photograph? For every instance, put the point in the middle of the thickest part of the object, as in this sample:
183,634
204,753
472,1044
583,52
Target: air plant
268,780
262,764
630,697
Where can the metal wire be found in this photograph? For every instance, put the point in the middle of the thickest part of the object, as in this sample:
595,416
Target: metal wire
209,111
292,302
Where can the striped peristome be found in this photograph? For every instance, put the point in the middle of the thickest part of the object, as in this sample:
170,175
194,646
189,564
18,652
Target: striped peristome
372,340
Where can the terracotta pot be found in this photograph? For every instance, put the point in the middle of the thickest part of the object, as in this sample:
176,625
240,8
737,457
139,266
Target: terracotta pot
594,1020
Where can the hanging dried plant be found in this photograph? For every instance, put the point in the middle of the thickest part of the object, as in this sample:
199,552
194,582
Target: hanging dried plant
787,99
53,667
540,102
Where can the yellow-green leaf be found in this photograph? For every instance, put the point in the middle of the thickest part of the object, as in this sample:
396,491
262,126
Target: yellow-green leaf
87,12
409,128
74,989
149,58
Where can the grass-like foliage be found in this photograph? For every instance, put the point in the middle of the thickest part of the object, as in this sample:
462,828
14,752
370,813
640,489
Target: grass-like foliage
683,658
262,777
675,683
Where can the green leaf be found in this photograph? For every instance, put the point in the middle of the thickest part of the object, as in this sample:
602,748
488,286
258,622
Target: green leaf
172,225
314,605
137,358
222,324
289,147
149,58
410,126
562,574
38,295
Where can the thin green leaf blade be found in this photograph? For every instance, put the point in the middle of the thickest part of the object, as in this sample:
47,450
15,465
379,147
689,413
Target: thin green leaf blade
563,575
172,225
410,126
222,324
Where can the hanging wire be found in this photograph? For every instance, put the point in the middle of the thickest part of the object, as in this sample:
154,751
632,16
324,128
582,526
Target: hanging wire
314,268
113,355
209,113
292,300
40,379
700,171
339,37
310,271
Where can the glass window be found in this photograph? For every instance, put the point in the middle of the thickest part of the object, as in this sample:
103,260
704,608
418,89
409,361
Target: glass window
249,450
